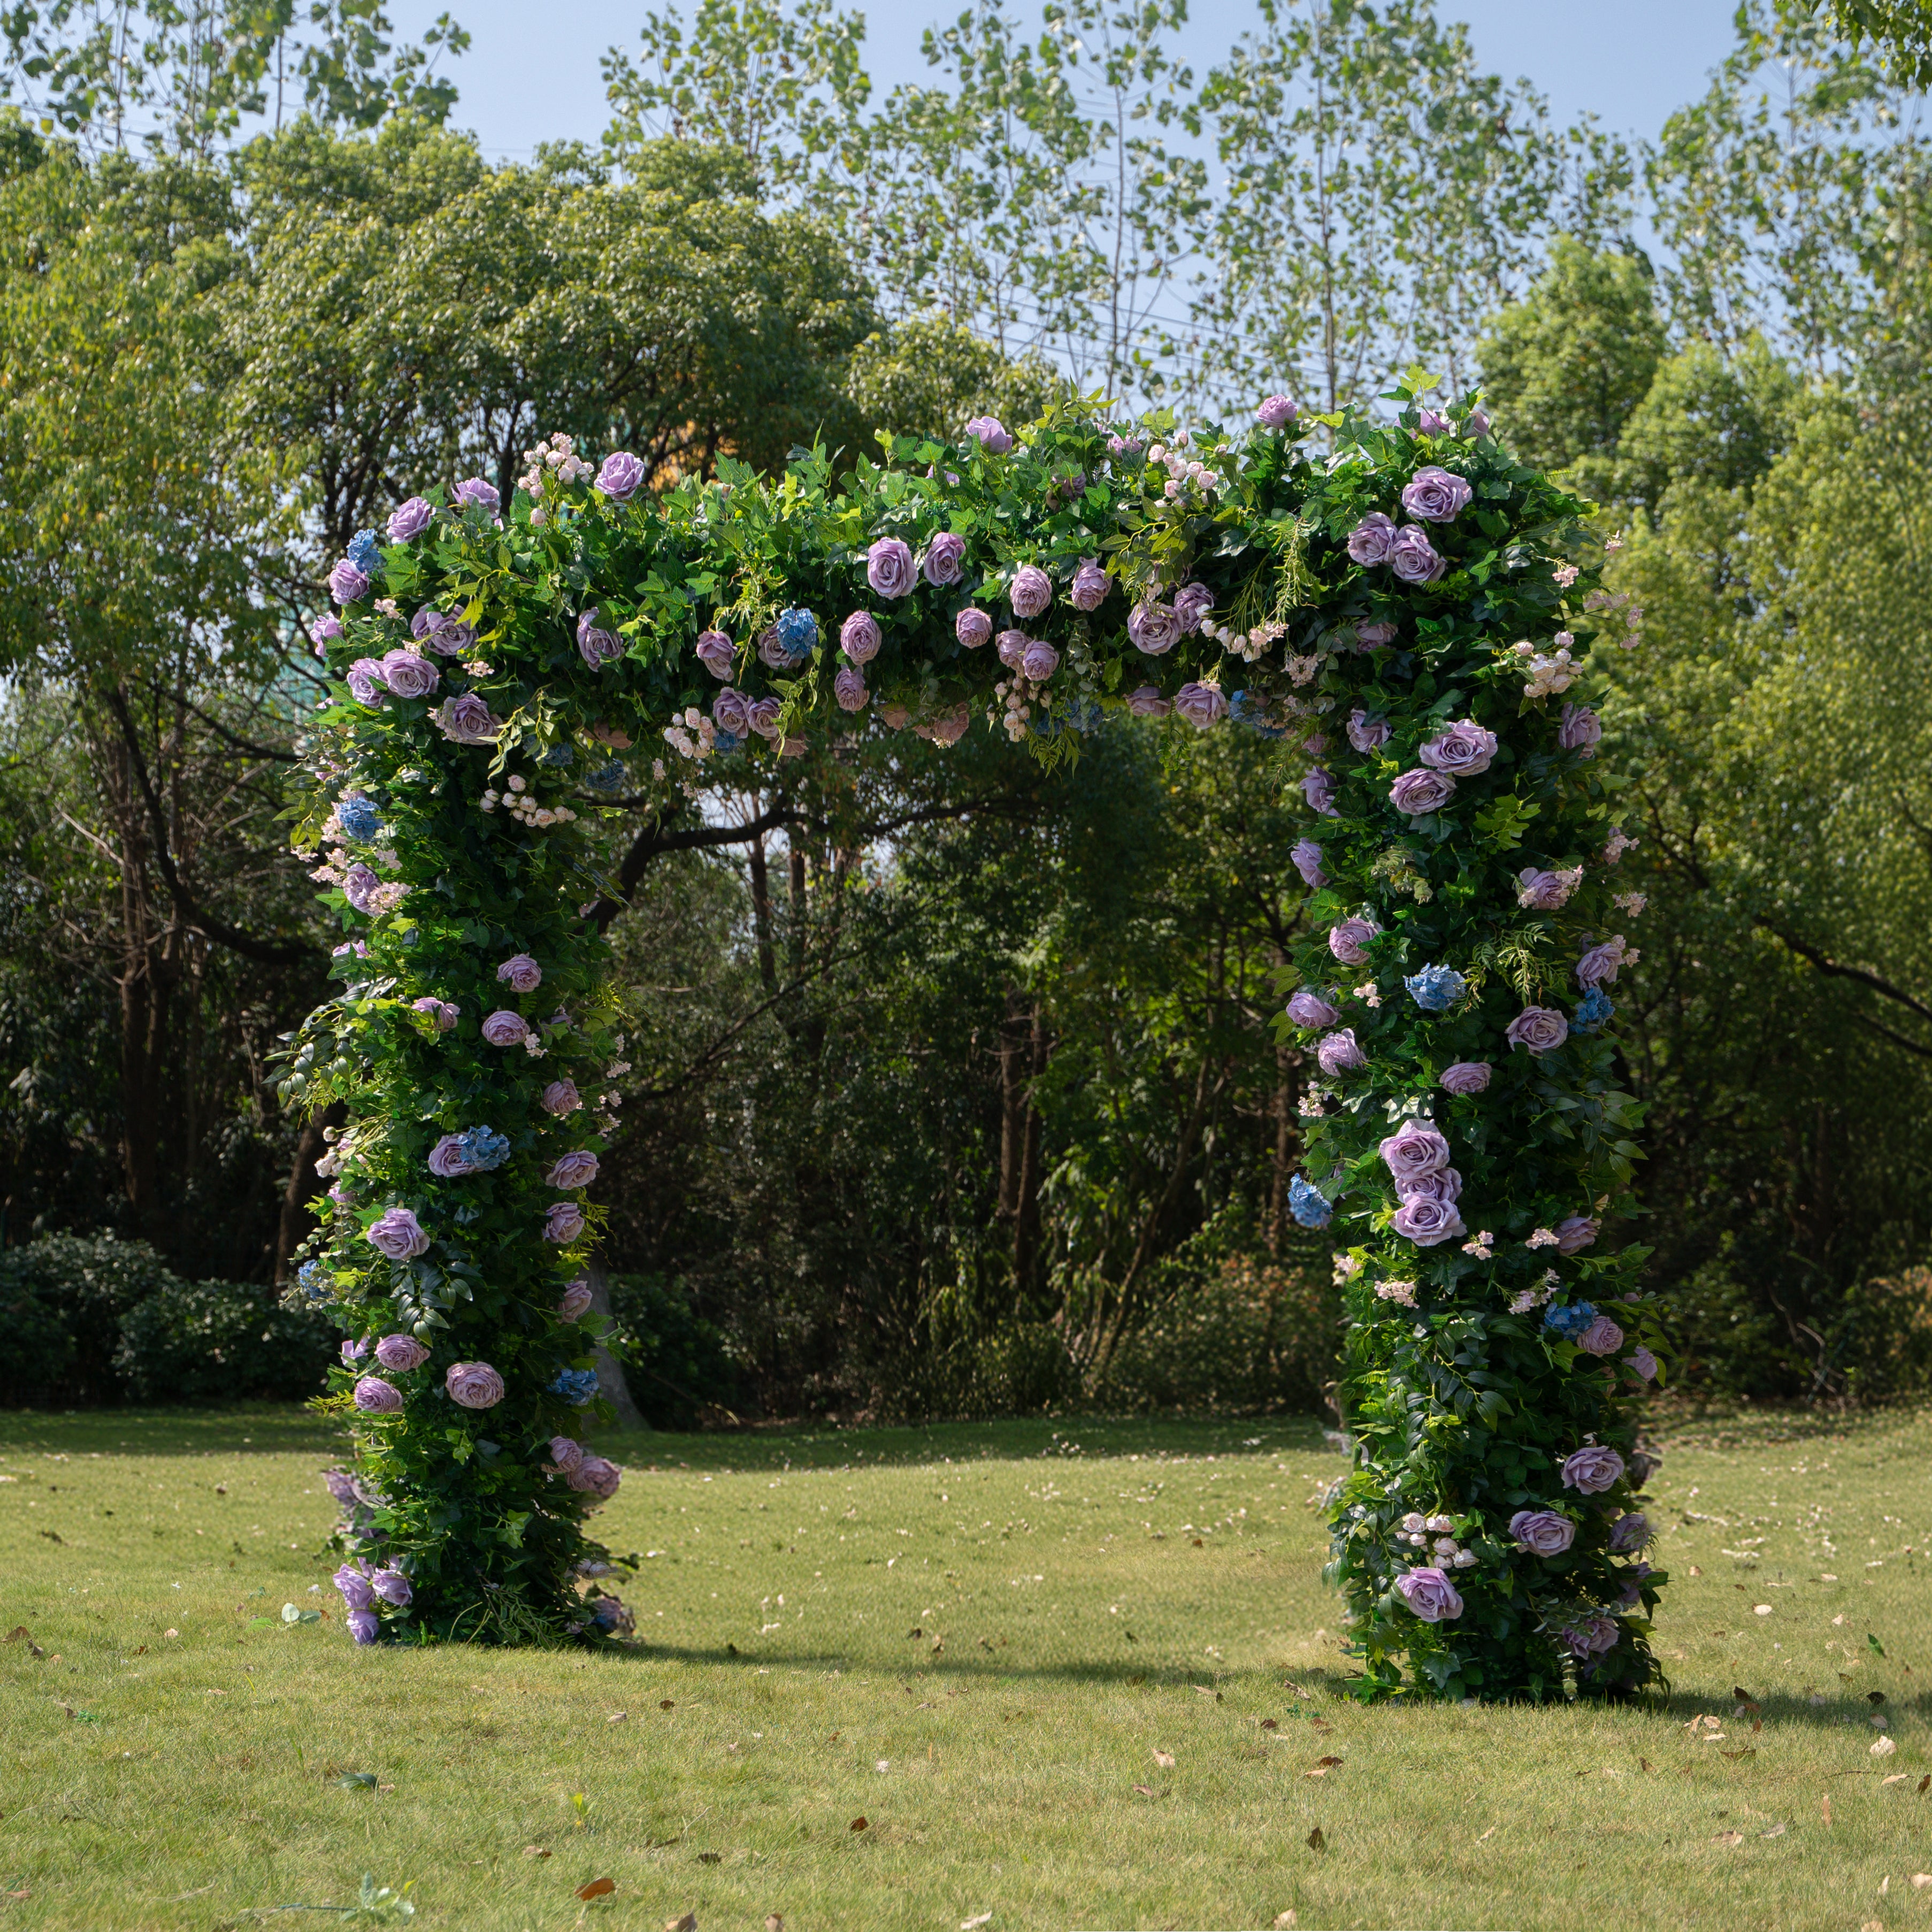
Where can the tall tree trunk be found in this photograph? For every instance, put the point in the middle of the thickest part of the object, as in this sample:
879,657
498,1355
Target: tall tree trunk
610,1382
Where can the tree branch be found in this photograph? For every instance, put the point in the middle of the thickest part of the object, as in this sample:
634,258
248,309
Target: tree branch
1834,970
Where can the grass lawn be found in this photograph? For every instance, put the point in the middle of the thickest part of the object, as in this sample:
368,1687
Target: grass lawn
1070,1675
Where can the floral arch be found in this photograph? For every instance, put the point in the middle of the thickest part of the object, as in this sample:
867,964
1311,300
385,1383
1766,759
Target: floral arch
1402,617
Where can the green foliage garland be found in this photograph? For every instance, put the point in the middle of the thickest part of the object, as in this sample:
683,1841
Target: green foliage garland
493,665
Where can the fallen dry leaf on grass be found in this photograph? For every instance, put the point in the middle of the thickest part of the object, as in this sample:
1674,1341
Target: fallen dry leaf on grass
1490,1834
973,1924
616,1717
1920,1880
1884,1747
775,1921
1316,1842
1824,1809
859,1824
536,1851
1146,1790
1165,1758
1727,1838
597,1888
1776,1831
688,1923
1269,1724
1287,1922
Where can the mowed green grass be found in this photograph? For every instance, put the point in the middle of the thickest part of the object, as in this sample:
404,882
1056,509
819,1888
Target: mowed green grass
986,1641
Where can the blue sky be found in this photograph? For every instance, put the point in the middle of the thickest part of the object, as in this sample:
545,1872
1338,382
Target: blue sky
531,75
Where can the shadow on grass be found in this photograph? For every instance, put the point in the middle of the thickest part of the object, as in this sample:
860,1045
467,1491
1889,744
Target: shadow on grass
242,1429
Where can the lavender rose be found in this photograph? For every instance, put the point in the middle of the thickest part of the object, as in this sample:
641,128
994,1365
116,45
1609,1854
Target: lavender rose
1339,1053
973,627
1090,586
1347,937
563,1222
1308,1009
521,971
409,519
572,1170
619,476
1603,1337
1366,734
358,882
1542,891
1152,628
561,1097
575,1299
1436,496
1031,593
565,1455
1192,602
1462,751
1629,1533
1201,705
401,1353
1430,1594
1591,1635
444,1014
1417,793
1541,1029
1543,1532
1009,647
714,652
392,1586
858,636
1146,701
1413,558
849,687
762,714
397,1233
1276,412
474,493
1644,1363
944,556
447,1160
1317,786
409,675
727,711
365,1626
346,584
1431,422
473,1384
990,434
364,680
1413,1151
374,1396
1372,540
594,1476
889,568
504,1028
1592,1470
1466,1076
594,646
1427,1222
1580,730
1574,1234
1306,857
1372,637
467,720
354,1586
1445,1185
1598,967
1038,661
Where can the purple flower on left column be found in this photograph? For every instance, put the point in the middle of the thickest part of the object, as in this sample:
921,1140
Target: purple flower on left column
397,1233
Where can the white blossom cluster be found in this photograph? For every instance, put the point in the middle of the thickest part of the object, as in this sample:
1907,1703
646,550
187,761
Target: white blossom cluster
520,803
1548,672
692,735
1251,645
1418,1530
558,455
1182,472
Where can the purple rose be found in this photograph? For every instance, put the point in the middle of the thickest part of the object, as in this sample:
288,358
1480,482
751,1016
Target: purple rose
408,675
727,711
889,568
973,627
365,1626
1318,787
762,714
1603,1337
340,1487
354,1586
401,1353
1598,967
1543,1532
619,476
444,1014
596,646
1373,539
1419,792
1591,1635
1427,1222
563,1222
1039,661
1031,593
1372,637
572,1170
467,720
397,1233
848,687
346,584
504,1028
714,652
1146,701
374,1396
521,971
364,680
1541,1029
472,493
1305,856
1348,937
473,1384
1430,1594
1415,1150
1644,1363
324,631
1436,496
1338,1053
575,1299
1592,1470
1152,628
1477,423
410,519
1276,412
1462,751
1201,705
447,1160
561,1097
1543,891
565,1455
358,882
1429,422
391,1585
1413,558
1629,1533
1192,602
1580,730
1574,1234
594,1476
1445,1185
988,432
1466,1076
1090,586
944,556
1309,1009
1010,647
1366,734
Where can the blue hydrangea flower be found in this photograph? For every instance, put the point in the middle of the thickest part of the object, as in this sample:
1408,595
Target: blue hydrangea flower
312,1278
797,632
724,742
609,777
1244,708
1569,1319
364,552
559,755
1436,988
575,1385
1084,714
358,816
484,1148
1308,1203
1593,1011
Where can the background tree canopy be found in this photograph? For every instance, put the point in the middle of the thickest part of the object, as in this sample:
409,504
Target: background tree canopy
956,1091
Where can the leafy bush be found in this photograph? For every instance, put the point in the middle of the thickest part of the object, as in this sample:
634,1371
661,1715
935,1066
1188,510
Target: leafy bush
675,1364
218,1341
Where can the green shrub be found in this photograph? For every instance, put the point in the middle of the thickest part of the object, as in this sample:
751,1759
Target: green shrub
220,1341
63,1298
675,1364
